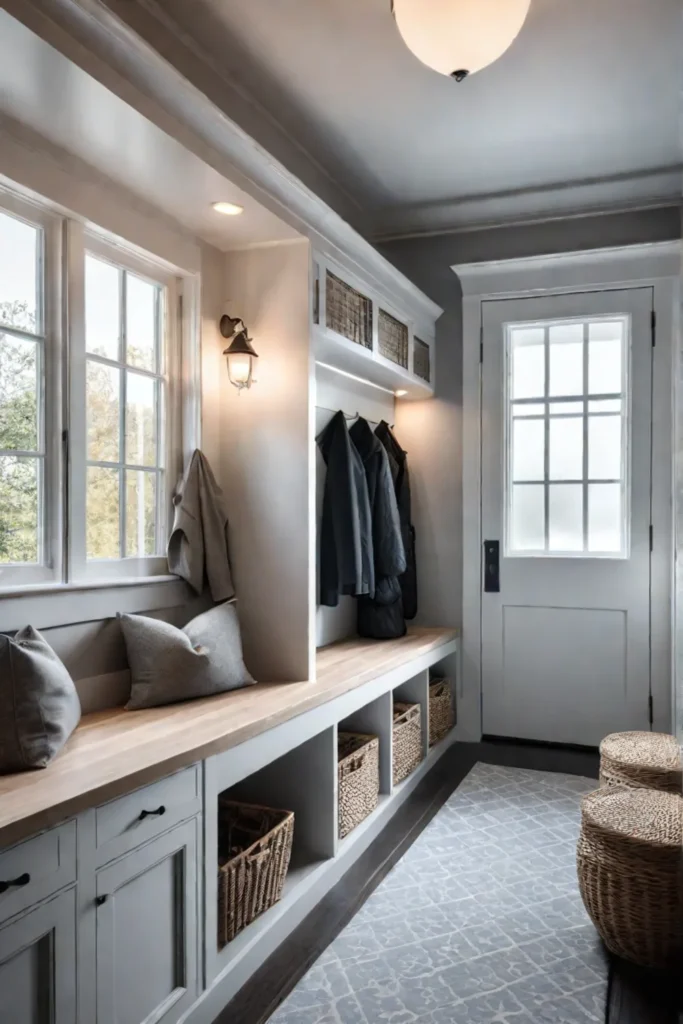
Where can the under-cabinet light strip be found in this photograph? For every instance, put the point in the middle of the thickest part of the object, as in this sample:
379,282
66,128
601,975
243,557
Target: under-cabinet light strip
352,376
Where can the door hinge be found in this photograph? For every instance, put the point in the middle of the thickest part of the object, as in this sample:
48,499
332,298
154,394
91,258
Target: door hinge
481,344
653,324
651,709
652,538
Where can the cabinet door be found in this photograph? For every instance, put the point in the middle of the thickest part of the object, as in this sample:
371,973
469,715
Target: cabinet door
147,931
38,965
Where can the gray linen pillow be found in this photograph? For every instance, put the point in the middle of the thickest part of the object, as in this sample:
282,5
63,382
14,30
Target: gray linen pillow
168,664
39,705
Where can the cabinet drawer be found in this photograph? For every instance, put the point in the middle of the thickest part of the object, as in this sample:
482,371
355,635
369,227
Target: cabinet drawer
38,867
126,823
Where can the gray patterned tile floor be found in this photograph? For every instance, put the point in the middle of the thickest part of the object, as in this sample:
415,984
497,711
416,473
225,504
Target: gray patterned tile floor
481,921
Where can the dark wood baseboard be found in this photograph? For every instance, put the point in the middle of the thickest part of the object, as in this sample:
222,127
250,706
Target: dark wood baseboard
632,997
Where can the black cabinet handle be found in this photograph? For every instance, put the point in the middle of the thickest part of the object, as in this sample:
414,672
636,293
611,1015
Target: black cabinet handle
100,900
152,814
15,883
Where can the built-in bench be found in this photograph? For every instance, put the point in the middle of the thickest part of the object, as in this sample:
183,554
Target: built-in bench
126,817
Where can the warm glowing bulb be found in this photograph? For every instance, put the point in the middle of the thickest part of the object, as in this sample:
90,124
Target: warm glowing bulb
239,366
401,393
459,37
229,209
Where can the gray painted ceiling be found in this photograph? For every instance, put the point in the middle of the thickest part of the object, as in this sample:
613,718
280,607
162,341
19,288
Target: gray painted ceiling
583,112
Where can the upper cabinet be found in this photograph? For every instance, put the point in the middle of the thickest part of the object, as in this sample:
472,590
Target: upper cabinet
361,331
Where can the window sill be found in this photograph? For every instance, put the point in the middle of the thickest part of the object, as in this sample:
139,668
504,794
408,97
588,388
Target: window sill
48,605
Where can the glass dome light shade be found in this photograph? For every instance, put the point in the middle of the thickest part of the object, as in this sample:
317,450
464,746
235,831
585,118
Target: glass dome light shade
459,37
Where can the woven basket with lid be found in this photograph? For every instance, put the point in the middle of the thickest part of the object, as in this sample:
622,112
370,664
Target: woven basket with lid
641,759
630,869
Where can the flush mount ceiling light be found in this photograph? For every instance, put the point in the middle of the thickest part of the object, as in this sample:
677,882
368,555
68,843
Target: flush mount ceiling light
228,209
459,37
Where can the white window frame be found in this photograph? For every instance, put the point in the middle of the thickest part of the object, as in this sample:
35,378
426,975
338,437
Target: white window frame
80,567
28,592
547,400
51,519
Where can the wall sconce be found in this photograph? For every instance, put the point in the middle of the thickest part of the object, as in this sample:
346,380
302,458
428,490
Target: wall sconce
240,354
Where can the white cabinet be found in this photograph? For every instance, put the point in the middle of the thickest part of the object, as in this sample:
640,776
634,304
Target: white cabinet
146,933
38,964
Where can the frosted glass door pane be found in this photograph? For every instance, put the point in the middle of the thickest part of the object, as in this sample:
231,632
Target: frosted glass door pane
604,518
528,450
527,518
528,363
565,517
566,448
604,447
566,359
605,353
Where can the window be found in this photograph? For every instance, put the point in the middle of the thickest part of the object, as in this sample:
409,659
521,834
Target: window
125,396
25,549
567,421
101,397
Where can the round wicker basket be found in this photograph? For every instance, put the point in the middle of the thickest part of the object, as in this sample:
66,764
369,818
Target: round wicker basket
630,868
641,759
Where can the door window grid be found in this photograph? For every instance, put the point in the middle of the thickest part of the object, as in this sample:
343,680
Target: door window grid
22,395
543,492
125,401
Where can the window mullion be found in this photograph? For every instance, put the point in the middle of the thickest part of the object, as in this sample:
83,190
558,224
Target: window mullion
546,441
123,344
584,492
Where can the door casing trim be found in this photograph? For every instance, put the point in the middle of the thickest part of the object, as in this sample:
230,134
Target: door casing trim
656,265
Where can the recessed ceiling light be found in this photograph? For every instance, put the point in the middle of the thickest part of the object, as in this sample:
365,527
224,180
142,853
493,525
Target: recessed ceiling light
401,393
229,209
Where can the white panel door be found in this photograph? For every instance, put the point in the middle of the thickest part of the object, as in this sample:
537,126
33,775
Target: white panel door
566,497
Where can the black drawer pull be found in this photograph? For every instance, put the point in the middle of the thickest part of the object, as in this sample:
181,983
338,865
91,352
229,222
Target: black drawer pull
100,900
15,883
152,814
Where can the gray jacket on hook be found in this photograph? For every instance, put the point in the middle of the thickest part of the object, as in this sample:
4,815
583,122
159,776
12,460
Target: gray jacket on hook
381,616
346,557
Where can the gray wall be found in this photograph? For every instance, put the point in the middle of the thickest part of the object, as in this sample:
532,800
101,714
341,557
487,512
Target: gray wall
438,479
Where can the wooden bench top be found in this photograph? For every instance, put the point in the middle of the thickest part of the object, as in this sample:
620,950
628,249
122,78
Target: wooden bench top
114,751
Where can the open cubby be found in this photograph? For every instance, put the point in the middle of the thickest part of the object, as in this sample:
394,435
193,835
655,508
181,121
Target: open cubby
301,781
375,718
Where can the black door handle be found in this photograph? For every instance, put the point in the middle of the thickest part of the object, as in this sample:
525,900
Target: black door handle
152,814
100,900
491,567
15,883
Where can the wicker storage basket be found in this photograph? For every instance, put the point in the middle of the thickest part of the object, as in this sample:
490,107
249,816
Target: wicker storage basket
407,739
641,759
422,358
441,717
254,849
349,312
392,339
630,872
358,770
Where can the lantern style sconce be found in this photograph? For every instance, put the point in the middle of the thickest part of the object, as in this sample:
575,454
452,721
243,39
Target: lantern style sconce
240,354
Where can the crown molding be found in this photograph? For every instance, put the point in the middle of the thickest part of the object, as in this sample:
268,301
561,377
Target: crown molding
94,38
655,188
618,265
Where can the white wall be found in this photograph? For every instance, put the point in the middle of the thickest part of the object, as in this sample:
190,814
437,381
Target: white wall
266,460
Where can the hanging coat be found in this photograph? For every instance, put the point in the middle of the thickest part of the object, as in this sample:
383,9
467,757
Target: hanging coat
381,616
398,461
346,561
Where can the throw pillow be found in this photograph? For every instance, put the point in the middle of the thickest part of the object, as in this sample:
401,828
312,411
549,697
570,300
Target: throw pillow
168,664
39,705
